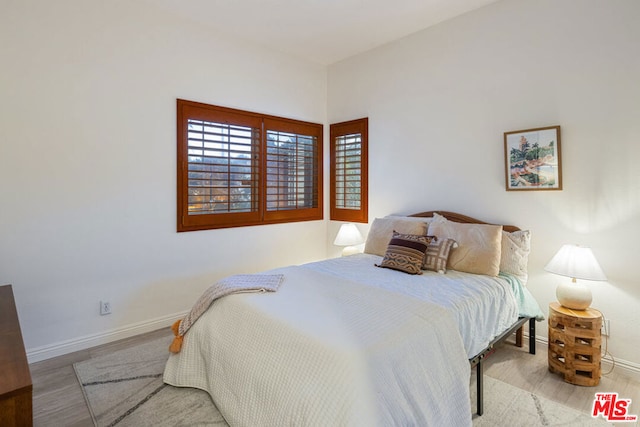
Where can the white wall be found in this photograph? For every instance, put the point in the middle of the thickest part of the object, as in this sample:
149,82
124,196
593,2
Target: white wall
439,101
87,149
87,164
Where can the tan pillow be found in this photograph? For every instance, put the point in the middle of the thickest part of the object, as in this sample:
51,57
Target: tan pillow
424,219
479,245
514,258
382,229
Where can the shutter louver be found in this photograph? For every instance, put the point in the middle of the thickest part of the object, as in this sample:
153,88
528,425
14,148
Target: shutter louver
348,170
291,171
223,168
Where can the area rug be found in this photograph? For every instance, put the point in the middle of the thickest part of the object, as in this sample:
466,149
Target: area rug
506,405
125,388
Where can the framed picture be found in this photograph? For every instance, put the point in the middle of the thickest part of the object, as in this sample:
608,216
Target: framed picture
532,159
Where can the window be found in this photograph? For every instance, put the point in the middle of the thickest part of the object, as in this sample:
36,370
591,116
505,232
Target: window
349,171
238,168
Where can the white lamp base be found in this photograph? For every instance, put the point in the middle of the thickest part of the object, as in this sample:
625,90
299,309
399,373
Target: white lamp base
575,296
350,250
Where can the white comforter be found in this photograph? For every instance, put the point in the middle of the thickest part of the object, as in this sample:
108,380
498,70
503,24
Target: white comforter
482,306
369,349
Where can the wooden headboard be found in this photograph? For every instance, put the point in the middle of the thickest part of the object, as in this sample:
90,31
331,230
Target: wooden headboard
456,217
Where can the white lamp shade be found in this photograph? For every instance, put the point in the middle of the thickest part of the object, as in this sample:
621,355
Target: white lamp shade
348,235
577,262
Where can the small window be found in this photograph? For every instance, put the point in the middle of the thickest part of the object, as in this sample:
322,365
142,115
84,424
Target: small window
349,171
238,168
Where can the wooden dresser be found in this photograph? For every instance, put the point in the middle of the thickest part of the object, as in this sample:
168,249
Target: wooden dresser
15,378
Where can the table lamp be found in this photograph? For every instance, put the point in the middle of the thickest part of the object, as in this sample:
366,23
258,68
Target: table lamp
577,262
348,236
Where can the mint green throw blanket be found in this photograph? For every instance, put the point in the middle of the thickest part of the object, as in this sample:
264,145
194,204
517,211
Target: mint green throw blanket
527,304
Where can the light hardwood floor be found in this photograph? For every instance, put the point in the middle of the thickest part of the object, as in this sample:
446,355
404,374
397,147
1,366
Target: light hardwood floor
58,399
528,372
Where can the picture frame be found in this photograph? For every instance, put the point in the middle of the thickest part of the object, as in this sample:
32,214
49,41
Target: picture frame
533,159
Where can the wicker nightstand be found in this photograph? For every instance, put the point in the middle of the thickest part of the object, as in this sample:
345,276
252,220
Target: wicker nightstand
574,344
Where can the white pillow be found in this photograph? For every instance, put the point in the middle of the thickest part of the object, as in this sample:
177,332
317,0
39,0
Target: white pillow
479,245
514,258
382,229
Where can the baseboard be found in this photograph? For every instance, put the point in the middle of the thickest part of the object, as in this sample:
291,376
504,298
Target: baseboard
81,343
621,367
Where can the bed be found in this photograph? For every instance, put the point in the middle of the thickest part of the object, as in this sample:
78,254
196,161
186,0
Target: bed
344,342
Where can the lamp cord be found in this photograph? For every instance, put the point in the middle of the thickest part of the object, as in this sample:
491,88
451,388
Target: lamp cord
606,353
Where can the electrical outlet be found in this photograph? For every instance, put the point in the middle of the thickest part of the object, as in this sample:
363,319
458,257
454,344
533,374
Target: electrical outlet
105,308
606,328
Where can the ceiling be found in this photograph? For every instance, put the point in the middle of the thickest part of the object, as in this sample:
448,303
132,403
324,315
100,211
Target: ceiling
323,31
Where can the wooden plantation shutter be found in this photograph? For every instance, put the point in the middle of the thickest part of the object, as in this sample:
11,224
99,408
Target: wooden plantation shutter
294,170
238,168
223,167
349,171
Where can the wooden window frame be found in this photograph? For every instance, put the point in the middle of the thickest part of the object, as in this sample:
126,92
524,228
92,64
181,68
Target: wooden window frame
337,130
187,110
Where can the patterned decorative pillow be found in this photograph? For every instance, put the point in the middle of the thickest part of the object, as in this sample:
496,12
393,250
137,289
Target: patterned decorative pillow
514,258
406,252
438,254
